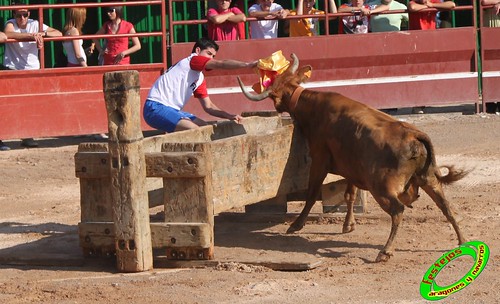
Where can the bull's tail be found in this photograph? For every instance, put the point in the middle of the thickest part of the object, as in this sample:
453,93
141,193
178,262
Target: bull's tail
453,173
452,176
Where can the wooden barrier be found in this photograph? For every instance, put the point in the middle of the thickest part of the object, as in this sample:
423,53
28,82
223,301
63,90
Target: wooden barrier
194,175
127,168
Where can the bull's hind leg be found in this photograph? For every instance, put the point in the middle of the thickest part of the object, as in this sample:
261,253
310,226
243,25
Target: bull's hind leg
395,209
317,175
350,197
435,191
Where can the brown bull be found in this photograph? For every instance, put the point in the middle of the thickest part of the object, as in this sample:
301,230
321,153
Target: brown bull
370,149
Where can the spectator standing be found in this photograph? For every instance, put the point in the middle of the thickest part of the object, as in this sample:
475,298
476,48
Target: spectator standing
389,22
491,18
224,22
426,20
307,26
268,14
23,55
75,18
116,50
357,23
172,90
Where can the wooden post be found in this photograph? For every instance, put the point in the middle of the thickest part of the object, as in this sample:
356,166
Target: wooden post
128,172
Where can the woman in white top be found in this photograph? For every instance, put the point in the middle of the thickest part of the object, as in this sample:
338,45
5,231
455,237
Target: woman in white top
75,18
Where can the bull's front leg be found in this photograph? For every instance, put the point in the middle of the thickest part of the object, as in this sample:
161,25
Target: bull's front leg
317,175
395,209
350,198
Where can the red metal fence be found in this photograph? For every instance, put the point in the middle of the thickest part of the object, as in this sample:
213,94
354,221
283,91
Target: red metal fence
384,70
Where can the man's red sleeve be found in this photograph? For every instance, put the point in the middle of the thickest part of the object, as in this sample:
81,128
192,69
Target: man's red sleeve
198,63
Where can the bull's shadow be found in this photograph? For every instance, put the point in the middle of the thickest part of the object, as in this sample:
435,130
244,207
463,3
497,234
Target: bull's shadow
254,237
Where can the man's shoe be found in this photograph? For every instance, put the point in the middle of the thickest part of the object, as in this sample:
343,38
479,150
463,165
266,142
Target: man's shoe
29,143
3,147
417,110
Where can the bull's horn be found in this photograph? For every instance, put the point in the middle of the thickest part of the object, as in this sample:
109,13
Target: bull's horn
295,65
252,97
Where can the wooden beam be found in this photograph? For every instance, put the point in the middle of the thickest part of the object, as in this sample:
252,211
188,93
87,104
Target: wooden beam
127,168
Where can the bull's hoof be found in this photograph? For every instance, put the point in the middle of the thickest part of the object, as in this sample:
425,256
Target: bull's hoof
293,228
461,240
383,256
348,228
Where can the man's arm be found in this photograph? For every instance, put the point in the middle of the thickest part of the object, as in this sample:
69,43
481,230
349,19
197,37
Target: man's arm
219,18
237,18
490,2
260,14
212,109
300,7
229,64
10,33
333,6
446,5
415,7
384,6
52,32
277,14
3,37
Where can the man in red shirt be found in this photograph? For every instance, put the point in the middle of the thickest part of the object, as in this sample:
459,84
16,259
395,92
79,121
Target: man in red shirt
426,20
225,23
163,109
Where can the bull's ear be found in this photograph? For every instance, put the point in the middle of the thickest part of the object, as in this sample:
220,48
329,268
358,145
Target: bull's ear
304,73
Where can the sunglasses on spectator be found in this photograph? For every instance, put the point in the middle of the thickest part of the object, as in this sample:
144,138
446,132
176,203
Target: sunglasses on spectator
19,15
111,10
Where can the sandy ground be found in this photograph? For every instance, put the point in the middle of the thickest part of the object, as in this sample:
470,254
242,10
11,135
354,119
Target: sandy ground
41,260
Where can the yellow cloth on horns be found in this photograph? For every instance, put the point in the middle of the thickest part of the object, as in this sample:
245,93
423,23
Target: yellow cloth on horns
268,68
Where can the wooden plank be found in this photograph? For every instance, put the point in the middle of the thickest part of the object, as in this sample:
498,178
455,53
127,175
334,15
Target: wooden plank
191,199
95,197
102,234
97,238
92,165
176,164
261,167
128,172
158,164
181,235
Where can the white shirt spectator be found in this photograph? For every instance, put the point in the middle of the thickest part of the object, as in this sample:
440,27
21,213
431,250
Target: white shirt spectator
264,29
23,55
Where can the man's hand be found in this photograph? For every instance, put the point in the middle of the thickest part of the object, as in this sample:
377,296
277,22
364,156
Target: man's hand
237,118
38,37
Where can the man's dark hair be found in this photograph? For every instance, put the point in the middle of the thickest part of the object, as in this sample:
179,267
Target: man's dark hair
17,2
204,43
119,11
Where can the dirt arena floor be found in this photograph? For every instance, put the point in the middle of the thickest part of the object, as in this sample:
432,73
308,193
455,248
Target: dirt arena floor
41,262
